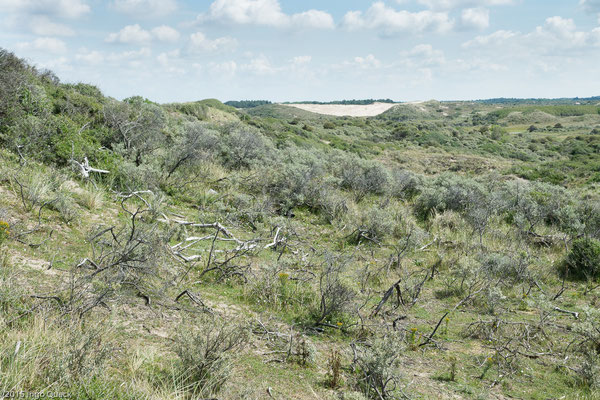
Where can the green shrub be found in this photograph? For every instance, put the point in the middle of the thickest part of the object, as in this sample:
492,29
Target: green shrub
449,192
404,184
65,205
204,355
297,182
362,176
584,258
244,148
376,367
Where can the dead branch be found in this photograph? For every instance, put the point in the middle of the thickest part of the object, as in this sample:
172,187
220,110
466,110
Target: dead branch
194,298
85,168
276,240
460,303
573,313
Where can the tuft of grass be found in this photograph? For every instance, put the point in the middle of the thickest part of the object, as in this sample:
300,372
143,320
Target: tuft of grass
91,198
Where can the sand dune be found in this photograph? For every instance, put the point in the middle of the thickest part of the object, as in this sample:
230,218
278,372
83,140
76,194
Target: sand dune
350,110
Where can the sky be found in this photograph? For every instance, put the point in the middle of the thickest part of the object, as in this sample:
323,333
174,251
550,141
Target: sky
291,50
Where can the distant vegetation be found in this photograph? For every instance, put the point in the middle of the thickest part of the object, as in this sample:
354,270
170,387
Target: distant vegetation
198,251
347,102
558,101
247,103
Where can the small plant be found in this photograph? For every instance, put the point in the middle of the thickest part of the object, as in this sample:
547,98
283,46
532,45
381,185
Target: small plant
414,339
452,368
488,363
91,198
4,231
444,330
66,207
335,367
335,296
304,352
34,190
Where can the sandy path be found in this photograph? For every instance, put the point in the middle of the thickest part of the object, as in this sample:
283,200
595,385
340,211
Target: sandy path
339,110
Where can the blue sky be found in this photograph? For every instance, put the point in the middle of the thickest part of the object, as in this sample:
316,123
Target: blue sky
284,50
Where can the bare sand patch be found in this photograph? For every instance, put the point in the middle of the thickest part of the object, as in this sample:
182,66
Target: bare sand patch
341,110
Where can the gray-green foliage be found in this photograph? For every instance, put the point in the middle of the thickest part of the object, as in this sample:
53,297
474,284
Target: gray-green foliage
205,353
377,363
502,266
362,176
335,296
296,179
449,192
404,184
197,143
138,125
376,222
244,147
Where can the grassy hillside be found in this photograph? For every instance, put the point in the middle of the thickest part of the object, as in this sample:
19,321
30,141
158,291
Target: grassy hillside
195,251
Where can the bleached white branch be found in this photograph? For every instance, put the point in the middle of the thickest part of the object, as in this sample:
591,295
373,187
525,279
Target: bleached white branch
85,168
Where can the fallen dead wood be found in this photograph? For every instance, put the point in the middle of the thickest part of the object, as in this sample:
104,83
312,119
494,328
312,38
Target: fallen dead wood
574,314
85,168
187,244
193,297
276,240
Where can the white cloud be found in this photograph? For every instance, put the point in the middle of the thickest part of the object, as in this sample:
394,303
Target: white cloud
61,8
265,12
454,4
591,5
313,19
93,57
167,61
390,21
164,59
165,33
130,34
199,42
563,32
58,64
258,12
43,26
496,38
367,62
133,55
225,69
44,44
145,8
556,42
301,60
476,18
135,34
259,66
423,55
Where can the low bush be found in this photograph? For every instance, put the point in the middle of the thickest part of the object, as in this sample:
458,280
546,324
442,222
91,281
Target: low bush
205,354
584,258
377,367
449,192
363,177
